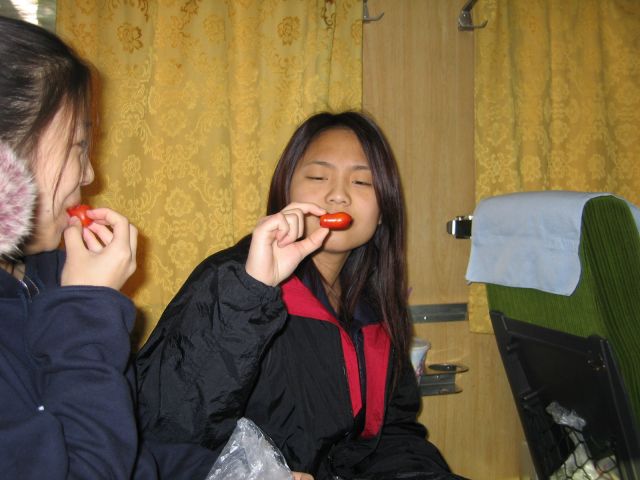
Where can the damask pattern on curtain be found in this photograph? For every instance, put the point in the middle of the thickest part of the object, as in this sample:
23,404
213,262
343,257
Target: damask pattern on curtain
557,102
198,99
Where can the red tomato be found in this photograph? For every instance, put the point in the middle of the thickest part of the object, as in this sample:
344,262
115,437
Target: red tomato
335,221
80,211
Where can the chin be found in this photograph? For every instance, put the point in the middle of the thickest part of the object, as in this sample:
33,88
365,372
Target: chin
340,244
38,244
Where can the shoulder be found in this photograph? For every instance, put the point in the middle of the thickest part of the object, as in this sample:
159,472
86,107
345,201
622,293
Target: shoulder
237,254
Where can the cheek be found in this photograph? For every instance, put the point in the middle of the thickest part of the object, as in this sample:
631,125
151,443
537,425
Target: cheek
45,194
371,221
296,194
368,228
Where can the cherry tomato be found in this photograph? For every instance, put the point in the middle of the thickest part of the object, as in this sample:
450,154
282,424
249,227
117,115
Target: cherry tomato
336,221
80,211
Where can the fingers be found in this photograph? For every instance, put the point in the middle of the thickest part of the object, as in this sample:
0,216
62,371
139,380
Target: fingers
275,251
133,238
91,242
73,235
283,227
103,232
313,241
291,228
301,476
311,208
103,253
290,221
106,225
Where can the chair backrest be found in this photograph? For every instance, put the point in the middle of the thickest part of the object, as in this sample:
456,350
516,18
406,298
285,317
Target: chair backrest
571,400
607,299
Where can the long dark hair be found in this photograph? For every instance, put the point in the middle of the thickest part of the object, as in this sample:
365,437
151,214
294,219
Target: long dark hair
39,75
376,270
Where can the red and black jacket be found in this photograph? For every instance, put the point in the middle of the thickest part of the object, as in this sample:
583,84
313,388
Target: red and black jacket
228,346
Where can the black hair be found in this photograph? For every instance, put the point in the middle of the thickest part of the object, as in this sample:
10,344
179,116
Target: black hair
39,75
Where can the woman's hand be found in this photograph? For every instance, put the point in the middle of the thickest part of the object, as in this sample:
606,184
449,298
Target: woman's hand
102,254
275,250
301,476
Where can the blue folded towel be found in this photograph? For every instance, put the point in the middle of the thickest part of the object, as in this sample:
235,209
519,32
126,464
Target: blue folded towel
530,240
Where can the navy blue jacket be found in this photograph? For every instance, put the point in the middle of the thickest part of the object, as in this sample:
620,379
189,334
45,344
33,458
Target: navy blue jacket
67,391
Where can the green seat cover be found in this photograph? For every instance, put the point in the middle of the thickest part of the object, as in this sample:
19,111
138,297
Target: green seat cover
606,301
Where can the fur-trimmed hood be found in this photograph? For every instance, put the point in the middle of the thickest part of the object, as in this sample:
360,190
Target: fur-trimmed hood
17,197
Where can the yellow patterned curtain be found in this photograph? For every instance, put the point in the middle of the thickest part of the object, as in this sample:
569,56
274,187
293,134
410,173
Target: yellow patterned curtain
557,102
198,99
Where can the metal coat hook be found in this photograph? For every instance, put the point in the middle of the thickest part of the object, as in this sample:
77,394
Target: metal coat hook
365,14
464,19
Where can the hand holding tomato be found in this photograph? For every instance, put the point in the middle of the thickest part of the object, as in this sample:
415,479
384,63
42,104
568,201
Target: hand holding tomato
103,253
277,244
80,211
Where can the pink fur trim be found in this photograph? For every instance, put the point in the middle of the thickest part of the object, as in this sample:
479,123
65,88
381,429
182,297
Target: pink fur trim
17,197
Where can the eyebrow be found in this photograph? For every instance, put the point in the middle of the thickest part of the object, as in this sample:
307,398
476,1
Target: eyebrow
322,163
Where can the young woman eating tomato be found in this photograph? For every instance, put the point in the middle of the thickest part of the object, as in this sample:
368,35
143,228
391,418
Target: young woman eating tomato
302,329
67,408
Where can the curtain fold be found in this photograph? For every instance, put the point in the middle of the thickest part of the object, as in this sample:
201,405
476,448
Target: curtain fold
197,100
557,102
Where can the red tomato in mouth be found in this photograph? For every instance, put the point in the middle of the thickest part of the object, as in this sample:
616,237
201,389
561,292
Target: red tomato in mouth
80,211
336,221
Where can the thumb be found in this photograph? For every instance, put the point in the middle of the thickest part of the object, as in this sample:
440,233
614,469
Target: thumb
73,235
313,241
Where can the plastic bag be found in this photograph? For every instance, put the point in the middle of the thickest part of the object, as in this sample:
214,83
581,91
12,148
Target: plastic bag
249,455
579,465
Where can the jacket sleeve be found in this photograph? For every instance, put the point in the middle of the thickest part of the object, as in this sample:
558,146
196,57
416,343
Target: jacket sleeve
403,450
198,368
82,423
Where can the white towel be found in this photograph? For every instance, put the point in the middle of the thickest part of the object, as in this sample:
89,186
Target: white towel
530,240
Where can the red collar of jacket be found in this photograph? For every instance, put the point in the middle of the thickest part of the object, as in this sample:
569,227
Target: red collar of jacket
300,301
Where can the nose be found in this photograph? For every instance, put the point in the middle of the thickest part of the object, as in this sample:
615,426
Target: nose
339,193
88,175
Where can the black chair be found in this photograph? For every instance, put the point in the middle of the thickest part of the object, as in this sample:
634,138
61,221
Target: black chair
548,369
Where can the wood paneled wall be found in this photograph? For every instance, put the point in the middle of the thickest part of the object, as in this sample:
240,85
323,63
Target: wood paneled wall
477,430
418,84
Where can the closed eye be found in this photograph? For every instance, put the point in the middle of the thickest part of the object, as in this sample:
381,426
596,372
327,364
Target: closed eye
362,182
315,178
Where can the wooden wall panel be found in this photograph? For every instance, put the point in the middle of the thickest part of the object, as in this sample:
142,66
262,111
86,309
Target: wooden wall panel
418,84
477,429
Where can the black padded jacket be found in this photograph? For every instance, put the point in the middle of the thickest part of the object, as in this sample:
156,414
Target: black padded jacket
228,346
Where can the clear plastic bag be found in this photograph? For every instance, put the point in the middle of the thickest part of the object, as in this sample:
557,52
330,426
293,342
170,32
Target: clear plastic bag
249,455
580,465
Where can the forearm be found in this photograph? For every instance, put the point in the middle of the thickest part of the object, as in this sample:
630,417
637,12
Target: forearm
197,370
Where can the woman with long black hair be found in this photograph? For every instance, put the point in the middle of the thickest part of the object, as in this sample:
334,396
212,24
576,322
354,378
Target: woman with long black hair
302,329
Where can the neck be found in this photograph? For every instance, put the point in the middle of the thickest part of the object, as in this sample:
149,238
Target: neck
329,266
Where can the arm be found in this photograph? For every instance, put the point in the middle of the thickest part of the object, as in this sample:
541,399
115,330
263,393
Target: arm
198,368
70,411
79,421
